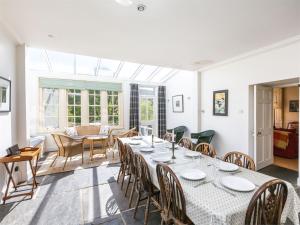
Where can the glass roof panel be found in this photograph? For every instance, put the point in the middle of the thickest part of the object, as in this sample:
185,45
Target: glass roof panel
36,59
161,74
145,73
128,70
61,62
108,67
86,65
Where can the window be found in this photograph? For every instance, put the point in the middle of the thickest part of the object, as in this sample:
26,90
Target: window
94,106
113,107
74,107
51,106
147,109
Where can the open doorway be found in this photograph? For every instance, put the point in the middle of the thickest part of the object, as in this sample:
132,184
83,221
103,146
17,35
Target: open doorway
275,123
286,126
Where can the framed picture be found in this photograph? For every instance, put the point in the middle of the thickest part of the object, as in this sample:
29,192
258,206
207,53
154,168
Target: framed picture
177,103
294,106
220,103
5,95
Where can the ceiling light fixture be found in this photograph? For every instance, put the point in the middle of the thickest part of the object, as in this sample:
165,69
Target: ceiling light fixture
141,7
124,2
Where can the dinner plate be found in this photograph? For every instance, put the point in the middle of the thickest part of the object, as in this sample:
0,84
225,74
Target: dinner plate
146,149
192,154
237,183
134,142
228,167
161,157
193,174
137,138
158,141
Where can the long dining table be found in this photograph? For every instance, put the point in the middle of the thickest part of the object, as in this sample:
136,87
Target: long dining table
208,202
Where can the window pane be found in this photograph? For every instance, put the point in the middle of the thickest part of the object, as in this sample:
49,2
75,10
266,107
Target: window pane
97,92
91,99
77,100
110,110
77,120
116,110
116,120
91,111
71,99
92,120
61,62
97,100
110,120
86,65
97,111
70,111
77,111
97,119
110,100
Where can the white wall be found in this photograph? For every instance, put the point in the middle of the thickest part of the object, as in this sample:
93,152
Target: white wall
233,131
184,83
8,128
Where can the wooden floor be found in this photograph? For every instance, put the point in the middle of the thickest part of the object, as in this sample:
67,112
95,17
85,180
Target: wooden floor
291,164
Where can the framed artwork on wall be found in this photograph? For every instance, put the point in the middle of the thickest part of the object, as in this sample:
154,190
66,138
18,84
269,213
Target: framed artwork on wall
294,106
220,103
5,95
177,103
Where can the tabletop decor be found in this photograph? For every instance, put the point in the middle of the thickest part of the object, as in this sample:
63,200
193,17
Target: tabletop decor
177,103
5,95
220,103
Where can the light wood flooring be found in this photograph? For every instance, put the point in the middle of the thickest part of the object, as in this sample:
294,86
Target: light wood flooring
291,164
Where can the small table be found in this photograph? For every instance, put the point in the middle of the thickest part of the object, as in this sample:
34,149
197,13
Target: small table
27,154
101,139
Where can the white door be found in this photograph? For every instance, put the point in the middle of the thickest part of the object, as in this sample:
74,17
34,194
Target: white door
263,126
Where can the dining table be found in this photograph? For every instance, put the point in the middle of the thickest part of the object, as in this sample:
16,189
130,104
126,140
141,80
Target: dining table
208,201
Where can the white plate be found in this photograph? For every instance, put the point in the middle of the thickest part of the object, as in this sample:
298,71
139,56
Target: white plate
237,183
161,157
137,138
134,142
192,154
158,141
193,174
228,167
146,149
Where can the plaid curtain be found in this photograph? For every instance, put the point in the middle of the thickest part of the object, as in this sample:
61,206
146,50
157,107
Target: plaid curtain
161,111
134,106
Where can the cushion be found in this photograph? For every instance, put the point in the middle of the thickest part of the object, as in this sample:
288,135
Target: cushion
71,131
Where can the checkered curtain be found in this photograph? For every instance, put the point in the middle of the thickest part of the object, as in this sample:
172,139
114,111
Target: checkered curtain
134,106
161,111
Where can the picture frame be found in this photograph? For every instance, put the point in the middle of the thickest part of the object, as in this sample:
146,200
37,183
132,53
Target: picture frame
220,103
5,95
294,106
177,104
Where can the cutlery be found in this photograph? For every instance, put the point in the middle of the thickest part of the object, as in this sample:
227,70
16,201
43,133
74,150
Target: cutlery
203,182
221,188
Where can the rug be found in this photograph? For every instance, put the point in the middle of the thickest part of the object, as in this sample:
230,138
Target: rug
75,162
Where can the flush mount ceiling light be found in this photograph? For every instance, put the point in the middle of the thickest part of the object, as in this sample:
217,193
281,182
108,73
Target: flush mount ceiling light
124,2
141,7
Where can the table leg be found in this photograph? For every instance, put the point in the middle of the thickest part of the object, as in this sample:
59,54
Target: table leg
33,170
10,178
91,149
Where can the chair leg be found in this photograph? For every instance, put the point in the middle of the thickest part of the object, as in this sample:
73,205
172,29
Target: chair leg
124,175
82,157
137,204
132,190
129,179
65,162
147,210
119,175
54,160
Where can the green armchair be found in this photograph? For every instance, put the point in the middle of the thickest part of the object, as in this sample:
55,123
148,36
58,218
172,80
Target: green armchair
179,132
203,137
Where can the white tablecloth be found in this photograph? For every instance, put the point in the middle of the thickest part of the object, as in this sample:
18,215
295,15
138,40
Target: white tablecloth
207,204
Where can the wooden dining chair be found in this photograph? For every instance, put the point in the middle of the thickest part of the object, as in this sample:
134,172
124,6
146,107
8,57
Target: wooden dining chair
186,143
124,168
240,159
172,204
168,137
144,187
132,171
206,149
267,204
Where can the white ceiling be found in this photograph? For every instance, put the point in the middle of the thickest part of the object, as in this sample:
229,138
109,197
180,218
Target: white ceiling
170,33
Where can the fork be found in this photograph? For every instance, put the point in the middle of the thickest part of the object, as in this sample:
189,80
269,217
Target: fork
221,188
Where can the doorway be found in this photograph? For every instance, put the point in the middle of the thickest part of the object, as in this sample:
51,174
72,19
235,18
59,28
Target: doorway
275,124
